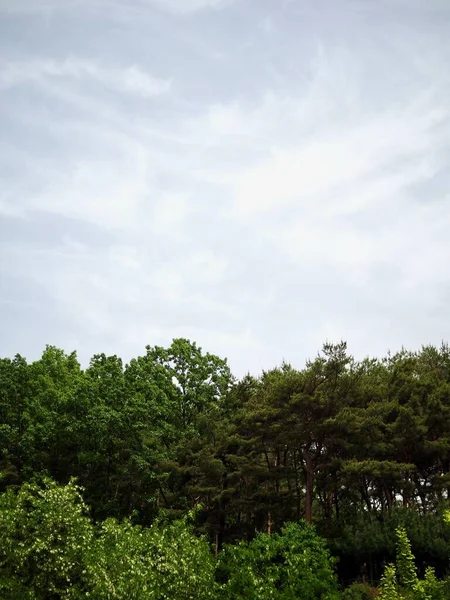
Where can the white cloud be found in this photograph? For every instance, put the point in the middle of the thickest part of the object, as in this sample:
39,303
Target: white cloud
187,6
49,7
37,6
227,120
313,174
207,268
129,80
123,289
271,200
97,192
170,210
333,184
330,181
9,209
267,24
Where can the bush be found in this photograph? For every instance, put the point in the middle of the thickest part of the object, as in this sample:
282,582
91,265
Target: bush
293,565
49,548
44,534
401,581
360,591
150,564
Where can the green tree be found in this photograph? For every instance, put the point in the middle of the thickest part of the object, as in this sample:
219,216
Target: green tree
405,574
161,562
200,381
292,565
44,535
14,385
388,584
185,391
406,569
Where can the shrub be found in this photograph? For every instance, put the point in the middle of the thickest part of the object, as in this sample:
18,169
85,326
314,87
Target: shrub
150,564
411,587
44,534
50,549
293,565
360,591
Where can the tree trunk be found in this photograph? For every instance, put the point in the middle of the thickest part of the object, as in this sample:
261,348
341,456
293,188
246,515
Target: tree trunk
389,499
309,475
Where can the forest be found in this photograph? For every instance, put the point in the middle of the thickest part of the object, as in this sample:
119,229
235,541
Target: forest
168,478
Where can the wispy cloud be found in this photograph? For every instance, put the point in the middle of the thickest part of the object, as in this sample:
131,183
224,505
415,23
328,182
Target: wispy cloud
292,191
130,80
320,174
46,7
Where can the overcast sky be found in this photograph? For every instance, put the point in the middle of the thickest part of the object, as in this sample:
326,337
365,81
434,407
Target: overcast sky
259,176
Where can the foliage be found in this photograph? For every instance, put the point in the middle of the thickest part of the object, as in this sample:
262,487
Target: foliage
370,538
292,565
358,448
161,562
430,588
406,569
360,591
44,534
404,577
49,549
388,585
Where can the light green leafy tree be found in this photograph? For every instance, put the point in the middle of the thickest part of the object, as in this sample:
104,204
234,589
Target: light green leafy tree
293,565
404,576
44,535
406,569
49,549
150,564
388,585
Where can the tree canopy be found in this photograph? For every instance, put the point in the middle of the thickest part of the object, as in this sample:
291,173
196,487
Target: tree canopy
356,447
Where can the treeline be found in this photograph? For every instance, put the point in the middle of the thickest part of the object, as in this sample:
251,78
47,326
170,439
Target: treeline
50,549
356,447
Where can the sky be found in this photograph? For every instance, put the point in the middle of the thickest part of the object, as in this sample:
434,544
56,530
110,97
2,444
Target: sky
259,176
